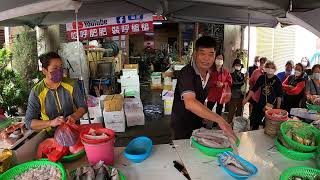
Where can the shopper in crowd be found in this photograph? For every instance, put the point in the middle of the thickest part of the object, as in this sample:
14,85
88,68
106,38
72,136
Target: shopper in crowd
220,79
293,88
287,72
238,80
254,77
255,65
270,96
191,91
306,65
313,84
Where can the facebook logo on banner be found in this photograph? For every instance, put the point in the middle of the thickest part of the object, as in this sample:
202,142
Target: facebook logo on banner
135,17
121,19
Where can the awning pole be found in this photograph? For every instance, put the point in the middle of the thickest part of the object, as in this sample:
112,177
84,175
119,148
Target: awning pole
81,73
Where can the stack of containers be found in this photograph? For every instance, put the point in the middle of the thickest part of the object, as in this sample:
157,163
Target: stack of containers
113,113
94,110
130,80
134,111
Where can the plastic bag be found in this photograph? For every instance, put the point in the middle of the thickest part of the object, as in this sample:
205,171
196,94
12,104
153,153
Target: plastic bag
77,147
226,95
67,134
50,149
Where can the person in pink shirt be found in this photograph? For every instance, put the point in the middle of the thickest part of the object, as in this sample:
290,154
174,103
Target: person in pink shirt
219,78
252,81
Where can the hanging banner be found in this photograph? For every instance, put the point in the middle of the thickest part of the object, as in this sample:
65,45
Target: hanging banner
121,25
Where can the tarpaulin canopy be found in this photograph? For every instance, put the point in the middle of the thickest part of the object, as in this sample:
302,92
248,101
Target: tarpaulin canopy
262,12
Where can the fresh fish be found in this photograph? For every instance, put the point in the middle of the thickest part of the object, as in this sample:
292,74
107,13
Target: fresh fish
210,143
237,170
114,174
102,174
235,165
210,138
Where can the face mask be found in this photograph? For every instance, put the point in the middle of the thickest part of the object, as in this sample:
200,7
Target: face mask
316,76
297,73
269,71
288,71
257,63
238,68
219,62
305,64
57,75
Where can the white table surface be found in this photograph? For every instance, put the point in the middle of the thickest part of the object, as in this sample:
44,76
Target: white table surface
159,165
253,147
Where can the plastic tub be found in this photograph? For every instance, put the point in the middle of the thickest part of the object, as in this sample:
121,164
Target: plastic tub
243,161
97,150
138,149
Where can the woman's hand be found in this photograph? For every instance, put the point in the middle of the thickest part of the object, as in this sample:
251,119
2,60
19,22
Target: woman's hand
219,84
71,119
57,121
244,101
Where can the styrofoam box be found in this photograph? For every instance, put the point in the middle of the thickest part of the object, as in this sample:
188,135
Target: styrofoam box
95,111
129,80
115,120
129,72
130,88
155,80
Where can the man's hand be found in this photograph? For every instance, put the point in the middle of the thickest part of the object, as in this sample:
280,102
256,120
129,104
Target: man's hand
57,121
228,130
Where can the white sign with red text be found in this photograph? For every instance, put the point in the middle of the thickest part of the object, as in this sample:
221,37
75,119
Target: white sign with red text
114,26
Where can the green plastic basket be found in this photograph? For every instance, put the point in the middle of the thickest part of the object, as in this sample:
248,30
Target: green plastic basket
122,177
300,171
18,170
318,157
210,151
313,107
73,157
285,126
291,154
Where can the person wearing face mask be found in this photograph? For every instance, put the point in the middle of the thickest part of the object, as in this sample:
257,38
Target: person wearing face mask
313,84
252,81
55,99
293,88
220,78
288,71
238,80
255,65
270,96
306,66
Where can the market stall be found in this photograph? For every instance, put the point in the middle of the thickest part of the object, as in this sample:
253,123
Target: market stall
255,146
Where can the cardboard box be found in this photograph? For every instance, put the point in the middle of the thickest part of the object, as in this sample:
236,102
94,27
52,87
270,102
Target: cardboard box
113,103
131,66
115,120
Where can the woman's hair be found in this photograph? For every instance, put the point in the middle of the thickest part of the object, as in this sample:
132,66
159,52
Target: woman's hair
299,64
307,60
270,63
237,61
220,55
263,60
46,58
315,67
